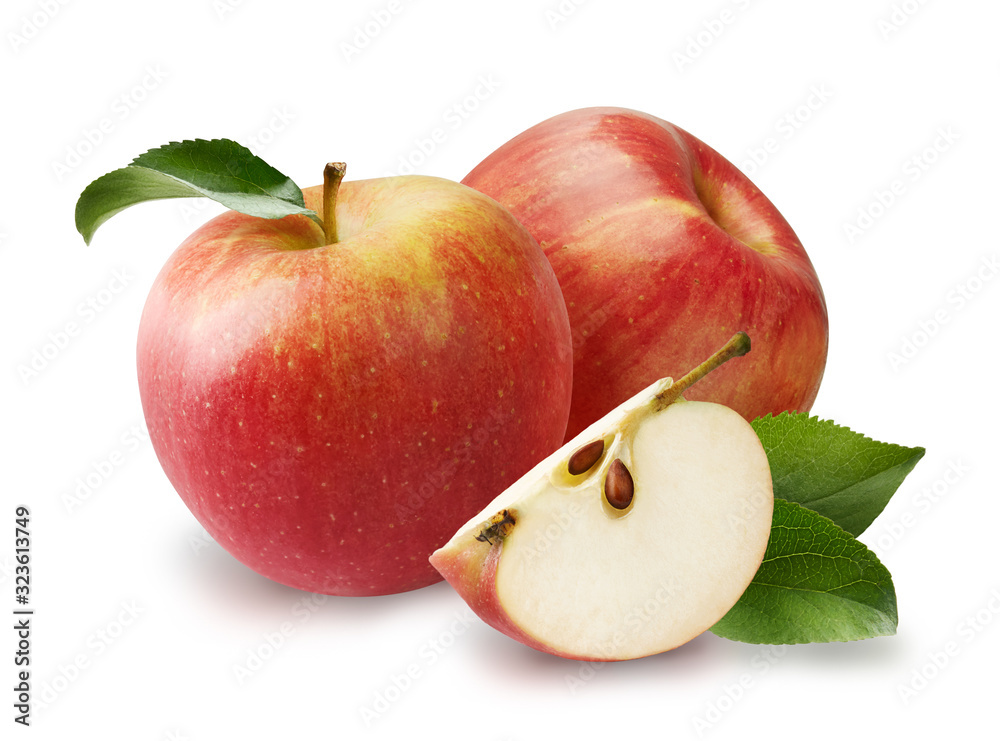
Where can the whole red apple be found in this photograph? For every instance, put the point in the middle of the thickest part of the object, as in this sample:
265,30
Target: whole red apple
662,248
332,410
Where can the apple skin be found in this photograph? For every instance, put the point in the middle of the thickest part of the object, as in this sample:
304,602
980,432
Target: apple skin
331,413
662,249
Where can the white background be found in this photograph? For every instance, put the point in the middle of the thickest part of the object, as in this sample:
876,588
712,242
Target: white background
141,622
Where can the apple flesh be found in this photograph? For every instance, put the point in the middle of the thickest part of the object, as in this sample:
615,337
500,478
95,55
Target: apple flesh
556,563
659,243
331,410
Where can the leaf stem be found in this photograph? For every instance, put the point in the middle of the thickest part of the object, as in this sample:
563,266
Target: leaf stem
333,173
739,344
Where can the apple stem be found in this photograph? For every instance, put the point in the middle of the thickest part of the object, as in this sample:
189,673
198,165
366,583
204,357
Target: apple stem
333,173
739,344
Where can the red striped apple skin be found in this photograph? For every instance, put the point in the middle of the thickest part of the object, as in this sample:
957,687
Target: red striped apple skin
662,249
331,414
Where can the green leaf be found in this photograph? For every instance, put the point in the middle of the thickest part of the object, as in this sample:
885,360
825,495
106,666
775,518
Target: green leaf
830,469
219,169
816,584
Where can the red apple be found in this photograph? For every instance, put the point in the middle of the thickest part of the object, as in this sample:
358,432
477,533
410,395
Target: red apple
332,412
662,249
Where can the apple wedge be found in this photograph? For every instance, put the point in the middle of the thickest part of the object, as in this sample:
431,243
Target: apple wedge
630,540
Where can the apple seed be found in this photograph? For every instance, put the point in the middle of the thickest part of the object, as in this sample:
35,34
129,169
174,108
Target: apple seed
585,457
618,486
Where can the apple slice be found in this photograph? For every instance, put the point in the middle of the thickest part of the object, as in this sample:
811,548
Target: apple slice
633,538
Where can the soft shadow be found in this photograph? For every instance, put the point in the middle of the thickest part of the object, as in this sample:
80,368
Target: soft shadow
529,667
873,653
220,578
